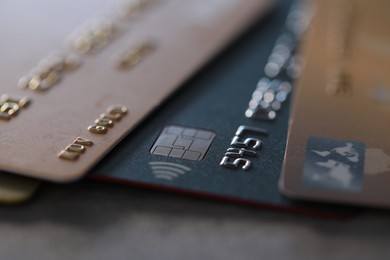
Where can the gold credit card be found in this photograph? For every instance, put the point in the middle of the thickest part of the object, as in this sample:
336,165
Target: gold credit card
16,189
338,146
76,76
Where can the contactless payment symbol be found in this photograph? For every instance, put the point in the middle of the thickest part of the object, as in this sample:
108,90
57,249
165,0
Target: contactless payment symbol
168,171
334,164
183,143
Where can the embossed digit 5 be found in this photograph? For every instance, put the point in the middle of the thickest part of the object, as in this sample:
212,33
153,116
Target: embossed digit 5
235,163
247,143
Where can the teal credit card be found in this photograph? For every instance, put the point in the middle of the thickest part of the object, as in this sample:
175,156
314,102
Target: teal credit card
223,134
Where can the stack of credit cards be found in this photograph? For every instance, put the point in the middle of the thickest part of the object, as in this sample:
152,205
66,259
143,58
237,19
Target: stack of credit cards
223,135
120,79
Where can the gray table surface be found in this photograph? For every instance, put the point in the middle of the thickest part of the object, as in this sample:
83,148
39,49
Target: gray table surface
92,220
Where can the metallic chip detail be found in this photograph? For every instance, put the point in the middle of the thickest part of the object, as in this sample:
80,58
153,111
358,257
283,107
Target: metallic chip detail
183,143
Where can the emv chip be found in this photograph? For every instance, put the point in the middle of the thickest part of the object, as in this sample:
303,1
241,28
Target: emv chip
183,142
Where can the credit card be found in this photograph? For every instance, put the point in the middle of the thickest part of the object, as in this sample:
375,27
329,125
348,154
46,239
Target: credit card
16,189
216,138
78,76
338,146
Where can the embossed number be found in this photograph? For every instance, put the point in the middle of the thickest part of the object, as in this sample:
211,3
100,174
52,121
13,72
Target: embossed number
235,163
247,143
